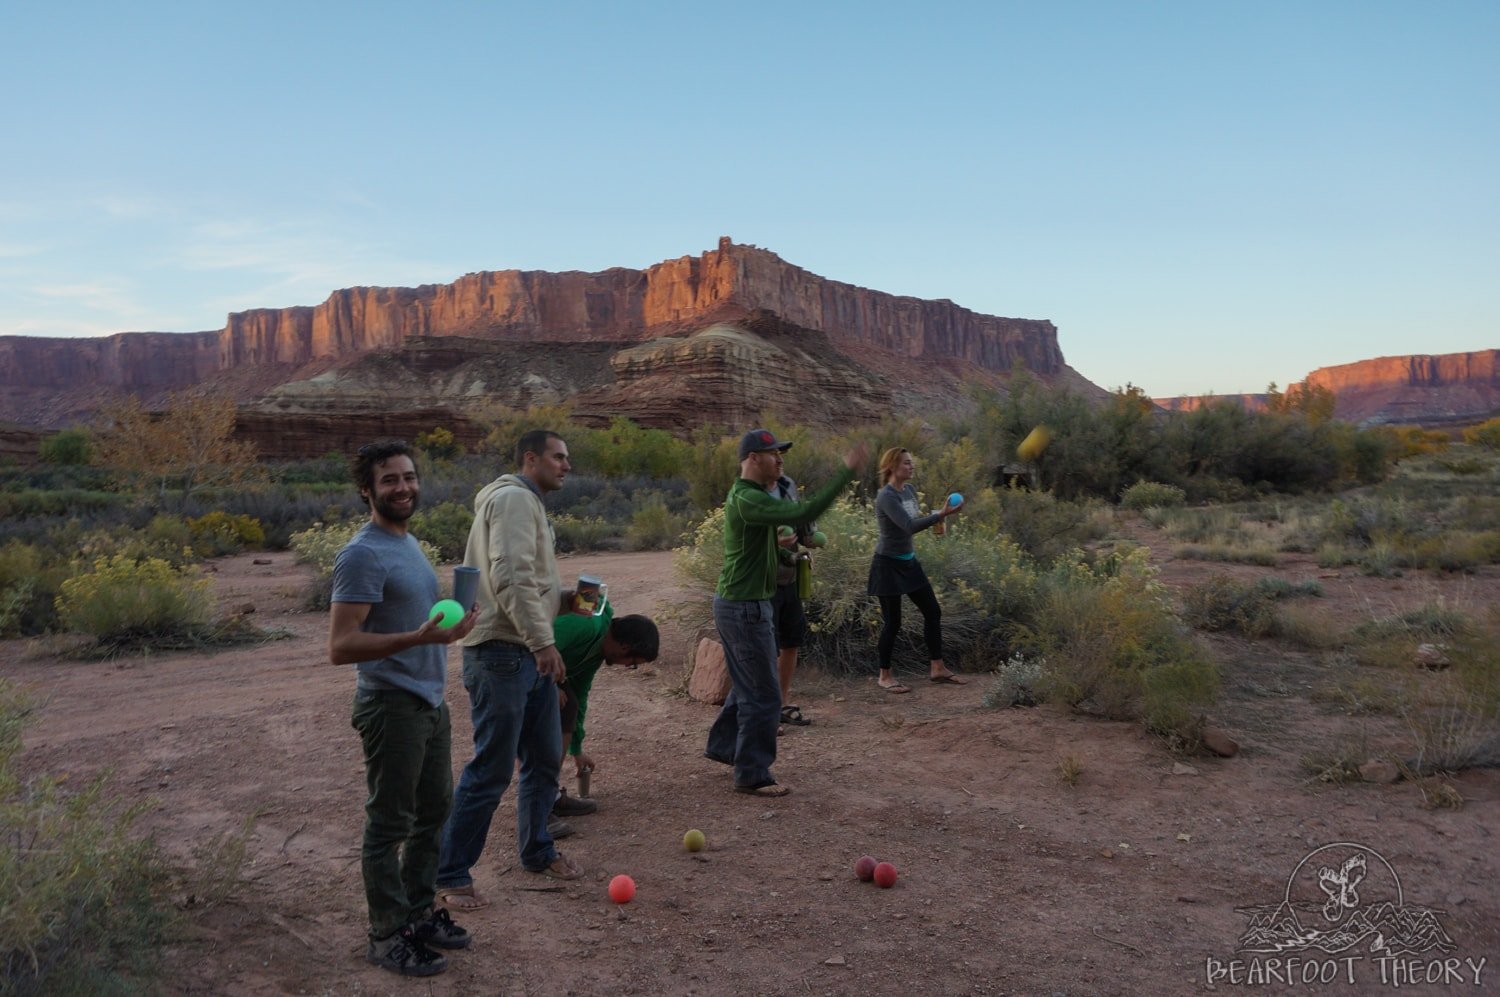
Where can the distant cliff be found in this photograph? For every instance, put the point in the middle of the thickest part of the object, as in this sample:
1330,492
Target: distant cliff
1428,390
50,382
623,305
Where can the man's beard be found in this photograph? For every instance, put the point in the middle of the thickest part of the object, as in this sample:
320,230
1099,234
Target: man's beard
395,515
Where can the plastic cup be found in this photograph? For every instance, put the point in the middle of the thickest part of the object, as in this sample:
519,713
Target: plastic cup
465,586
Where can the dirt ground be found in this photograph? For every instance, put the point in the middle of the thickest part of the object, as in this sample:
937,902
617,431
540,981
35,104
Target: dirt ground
1011,880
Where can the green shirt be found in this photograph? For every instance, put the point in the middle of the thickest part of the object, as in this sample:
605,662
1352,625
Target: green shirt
580,641
751,516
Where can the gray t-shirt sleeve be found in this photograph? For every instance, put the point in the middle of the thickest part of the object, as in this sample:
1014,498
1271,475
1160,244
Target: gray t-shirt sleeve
358,576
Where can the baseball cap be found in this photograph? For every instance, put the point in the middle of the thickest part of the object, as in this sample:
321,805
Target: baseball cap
761,439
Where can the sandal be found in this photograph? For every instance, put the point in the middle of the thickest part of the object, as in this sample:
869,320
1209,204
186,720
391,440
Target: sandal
895,689
950,678
560,868
461,898
765,789
793,715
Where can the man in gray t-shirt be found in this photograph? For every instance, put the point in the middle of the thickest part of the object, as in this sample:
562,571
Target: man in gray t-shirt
383,590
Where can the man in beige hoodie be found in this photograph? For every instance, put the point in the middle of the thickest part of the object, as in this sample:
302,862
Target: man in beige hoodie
511,671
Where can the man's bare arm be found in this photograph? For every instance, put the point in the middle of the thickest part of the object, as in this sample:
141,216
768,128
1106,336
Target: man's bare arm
348,644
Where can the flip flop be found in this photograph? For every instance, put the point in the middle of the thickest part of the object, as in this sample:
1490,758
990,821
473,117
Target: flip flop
767,790
950,678
560,868
896,690
461,898
793,715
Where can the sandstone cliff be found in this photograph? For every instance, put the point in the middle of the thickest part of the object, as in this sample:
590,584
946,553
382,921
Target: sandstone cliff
1430,390
623,305
616,306
1452,387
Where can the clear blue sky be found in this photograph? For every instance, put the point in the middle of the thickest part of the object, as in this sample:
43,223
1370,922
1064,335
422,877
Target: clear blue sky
1203,196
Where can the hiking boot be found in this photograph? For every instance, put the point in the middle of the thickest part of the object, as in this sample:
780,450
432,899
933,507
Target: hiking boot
404,953
559,828
573,806
438,930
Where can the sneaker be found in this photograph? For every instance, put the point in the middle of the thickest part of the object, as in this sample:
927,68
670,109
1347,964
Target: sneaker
404,953
573,806
438,930
559,828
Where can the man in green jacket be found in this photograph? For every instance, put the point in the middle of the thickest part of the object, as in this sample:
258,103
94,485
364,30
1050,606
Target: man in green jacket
744,733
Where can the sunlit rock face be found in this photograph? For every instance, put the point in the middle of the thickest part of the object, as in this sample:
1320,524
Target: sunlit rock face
1421,390
718,339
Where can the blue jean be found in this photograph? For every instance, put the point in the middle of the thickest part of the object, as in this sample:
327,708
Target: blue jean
514,709
745,730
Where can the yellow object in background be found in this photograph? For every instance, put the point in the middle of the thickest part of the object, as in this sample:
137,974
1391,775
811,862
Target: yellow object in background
1036,441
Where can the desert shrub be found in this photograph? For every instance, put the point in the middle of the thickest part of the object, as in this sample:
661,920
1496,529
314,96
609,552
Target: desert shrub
1429,622
439,444
70,446
1152,494
29,579
1410,441
59,502
1229,553
1018,682
1486,435
575,533
1223,603
655,527
627,449
218,532
82,906
446,527
714,467
1103,628
1041,524
124,602
282,510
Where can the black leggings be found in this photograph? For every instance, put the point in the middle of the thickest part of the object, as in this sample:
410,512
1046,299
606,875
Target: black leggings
932,623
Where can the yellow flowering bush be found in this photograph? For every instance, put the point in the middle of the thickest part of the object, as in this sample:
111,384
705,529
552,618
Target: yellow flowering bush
122,600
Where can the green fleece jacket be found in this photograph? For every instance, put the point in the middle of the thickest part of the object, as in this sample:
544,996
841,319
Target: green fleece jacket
750,520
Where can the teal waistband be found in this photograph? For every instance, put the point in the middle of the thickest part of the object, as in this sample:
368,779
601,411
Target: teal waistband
901,557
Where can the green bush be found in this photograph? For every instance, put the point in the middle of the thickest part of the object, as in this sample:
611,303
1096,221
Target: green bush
82,905
1152,495
1223,604
217,533
1042,525
446,527
1229,553
655,527
122,602
1114,647
575,533
1486,435
29,579
70,447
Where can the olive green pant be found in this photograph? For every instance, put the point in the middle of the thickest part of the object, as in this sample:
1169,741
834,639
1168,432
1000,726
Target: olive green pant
409,775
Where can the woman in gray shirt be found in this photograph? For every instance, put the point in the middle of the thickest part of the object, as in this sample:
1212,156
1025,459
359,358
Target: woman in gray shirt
896,572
